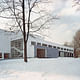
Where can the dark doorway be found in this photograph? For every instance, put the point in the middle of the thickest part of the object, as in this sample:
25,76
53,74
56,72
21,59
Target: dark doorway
41,53
0,55
6,55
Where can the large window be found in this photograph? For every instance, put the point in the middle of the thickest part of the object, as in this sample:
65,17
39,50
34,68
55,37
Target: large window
16,48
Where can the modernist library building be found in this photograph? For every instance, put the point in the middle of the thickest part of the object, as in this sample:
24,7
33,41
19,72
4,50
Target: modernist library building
11,46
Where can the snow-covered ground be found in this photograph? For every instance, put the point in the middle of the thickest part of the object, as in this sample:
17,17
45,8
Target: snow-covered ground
40,69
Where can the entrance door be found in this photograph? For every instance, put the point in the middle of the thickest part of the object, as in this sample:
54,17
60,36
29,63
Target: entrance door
6,55
41,53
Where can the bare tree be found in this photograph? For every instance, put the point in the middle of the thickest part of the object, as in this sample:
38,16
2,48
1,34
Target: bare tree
20,12
68,44
76,42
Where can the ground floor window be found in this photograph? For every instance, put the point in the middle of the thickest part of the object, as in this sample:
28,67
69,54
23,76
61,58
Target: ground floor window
65,54
71,55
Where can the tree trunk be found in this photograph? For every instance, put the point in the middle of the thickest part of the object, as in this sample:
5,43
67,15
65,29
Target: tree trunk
24,33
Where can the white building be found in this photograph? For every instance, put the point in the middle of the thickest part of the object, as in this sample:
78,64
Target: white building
37,47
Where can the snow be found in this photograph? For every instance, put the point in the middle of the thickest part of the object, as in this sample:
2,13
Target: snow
40,69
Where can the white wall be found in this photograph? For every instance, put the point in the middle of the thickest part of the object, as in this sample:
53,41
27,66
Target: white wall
6,38
16,36
36,39
31,47
4,42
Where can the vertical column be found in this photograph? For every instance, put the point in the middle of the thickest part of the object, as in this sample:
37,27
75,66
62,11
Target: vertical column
2,55
46,52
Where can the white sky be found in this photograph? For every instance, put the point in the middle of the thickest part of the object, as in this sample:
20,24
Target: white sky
62,30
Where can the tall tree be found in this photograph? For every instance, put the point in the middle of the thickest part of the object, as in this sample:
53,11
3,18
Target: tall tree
21,12
24,32
76,42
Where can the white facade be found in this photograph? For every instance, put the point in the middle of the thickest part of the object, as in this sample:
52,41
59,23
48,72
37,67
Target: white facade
62,49
37,39
5,44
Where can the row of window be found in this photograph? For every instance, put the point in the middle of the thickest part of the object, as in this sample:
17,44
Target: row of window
45,45
66,54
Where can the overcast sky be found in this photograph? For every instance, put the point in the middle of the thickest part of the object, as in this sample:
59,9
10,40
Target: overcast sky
63,29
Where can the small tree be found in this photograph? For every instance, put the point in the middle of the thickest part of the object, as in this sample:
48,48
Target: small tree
19,12
68,44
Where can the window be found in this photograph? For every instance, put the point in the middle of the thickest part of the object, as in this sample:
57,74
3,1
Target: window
39,44
12,43
16,43
67,50
64,48
54,46
33,43
61,48
44,45
58,47
50,46
71,50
